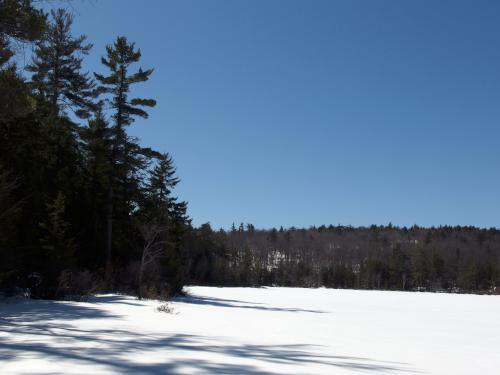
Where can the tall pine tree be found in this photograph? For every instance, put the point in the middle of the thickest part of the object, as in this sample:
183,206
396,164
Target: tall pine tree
126,154
57,68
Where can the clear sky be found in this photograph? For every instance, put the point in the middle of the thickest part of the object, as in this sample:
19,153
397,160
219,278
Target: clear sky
316,112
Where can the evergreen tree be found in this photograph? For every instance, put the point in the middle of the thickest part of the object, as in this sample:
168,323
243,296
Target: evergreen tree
162,180
57,242
399,267
21,22
169,212
9,215
57,68
15,96
119,58
96,147
420,267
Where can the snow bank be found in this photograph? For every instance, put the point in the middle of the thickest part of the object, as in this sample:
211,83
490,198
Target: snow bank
255,331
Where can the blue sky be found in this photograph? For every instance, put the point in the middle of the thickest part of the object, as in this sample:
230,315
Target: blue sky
300,113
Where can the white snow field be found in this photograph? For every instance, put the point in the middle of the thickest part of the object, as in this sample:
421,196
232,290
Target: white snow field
255,331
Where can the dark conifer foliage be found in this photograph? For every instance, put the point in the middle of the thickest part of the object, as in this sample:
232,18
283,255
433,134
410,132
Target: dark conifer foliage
119,58
127,157
57,68
79,197
20,22
163,210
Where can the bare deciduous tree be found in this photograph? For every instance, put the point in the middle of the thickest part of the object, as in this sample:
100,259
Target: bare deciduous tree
153,249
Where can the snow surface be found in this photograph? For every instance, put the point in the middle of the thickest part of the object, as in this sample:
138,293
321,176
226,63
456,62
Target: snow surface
255,331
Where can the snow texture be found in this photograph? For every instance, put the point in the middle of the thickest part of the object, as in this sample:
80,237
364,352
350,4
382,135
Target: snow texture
255,331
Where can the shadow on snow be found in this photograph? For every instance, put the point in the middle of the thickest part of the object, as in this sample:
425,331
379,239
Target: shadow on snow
219,302
33,323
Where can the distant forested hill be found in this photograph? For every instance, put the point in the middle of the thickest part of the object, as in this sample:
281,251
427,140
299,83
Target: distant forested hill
378,257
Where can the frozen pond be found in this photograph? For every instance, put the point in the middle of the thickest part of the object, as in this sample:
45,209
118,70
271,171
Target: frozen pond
255,331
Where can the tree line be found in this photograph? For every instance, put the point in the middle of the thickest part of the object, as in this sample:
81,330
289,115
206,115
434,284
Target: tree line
453,259
83,205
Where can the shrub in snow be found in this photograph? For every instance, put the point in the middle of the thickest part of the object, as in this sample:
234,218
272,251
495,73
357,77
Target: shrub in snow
165,308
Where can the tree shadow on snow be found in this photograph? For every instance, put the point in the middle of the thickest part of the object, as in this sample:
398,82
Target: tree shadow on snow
219,302
115,299
25,330
44,310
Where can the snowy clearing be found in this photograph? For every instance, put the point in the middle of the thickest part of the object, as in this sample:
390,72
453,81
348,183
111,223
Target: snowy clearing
255,331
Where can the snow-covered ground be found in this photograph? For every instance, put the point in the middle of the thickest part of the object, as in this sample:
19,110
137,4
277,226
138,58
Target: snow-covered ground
255,331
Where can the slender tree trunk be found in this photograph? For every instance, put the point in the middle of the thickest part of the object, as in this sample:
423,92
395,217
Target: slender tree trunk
141,271
109,235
